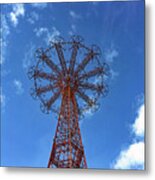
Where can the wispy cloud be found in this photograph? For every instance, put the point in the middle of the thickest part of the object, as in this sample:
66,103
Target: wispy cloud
54,32
74,15
18,10
110,55
33,17
29,56
113,73
73,29
19,87
133,156
4,31
48,34
40,31
39,5
2,100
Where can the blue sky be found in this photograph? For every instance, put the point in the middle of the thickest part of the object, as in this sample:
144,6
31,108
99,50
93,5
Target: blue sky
113,137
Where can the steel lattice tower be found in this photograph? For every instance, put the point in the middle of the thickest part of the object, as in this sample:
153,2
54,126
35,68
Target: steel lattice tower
70,89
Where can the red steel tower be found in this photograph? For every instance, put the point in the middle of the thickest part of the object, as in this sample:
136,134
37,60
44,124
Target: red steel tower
69,84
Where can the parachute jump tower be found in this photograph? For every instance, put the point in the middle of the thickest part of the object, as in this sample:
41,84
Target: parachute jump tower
68,80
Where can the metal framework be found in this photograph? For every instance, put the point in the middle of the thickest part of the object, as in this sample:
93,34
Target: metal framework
69,84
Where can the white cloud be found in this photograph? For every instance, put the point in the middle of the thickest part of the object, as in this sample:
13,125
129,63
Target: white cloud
74,15
19,87
4,31
29,56
133,156
110,55
113,73
73,30
33,17
18,10
39,5
2,100
138,126
49,34
4,28
40,31
73,27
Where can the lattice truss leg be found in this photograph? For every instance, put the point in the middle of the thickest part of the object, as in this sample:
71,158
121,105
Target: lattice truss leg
68,151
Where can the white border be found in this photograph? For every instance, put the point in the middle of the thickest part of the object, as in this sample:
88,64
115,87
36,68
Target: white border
41,1
39,174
